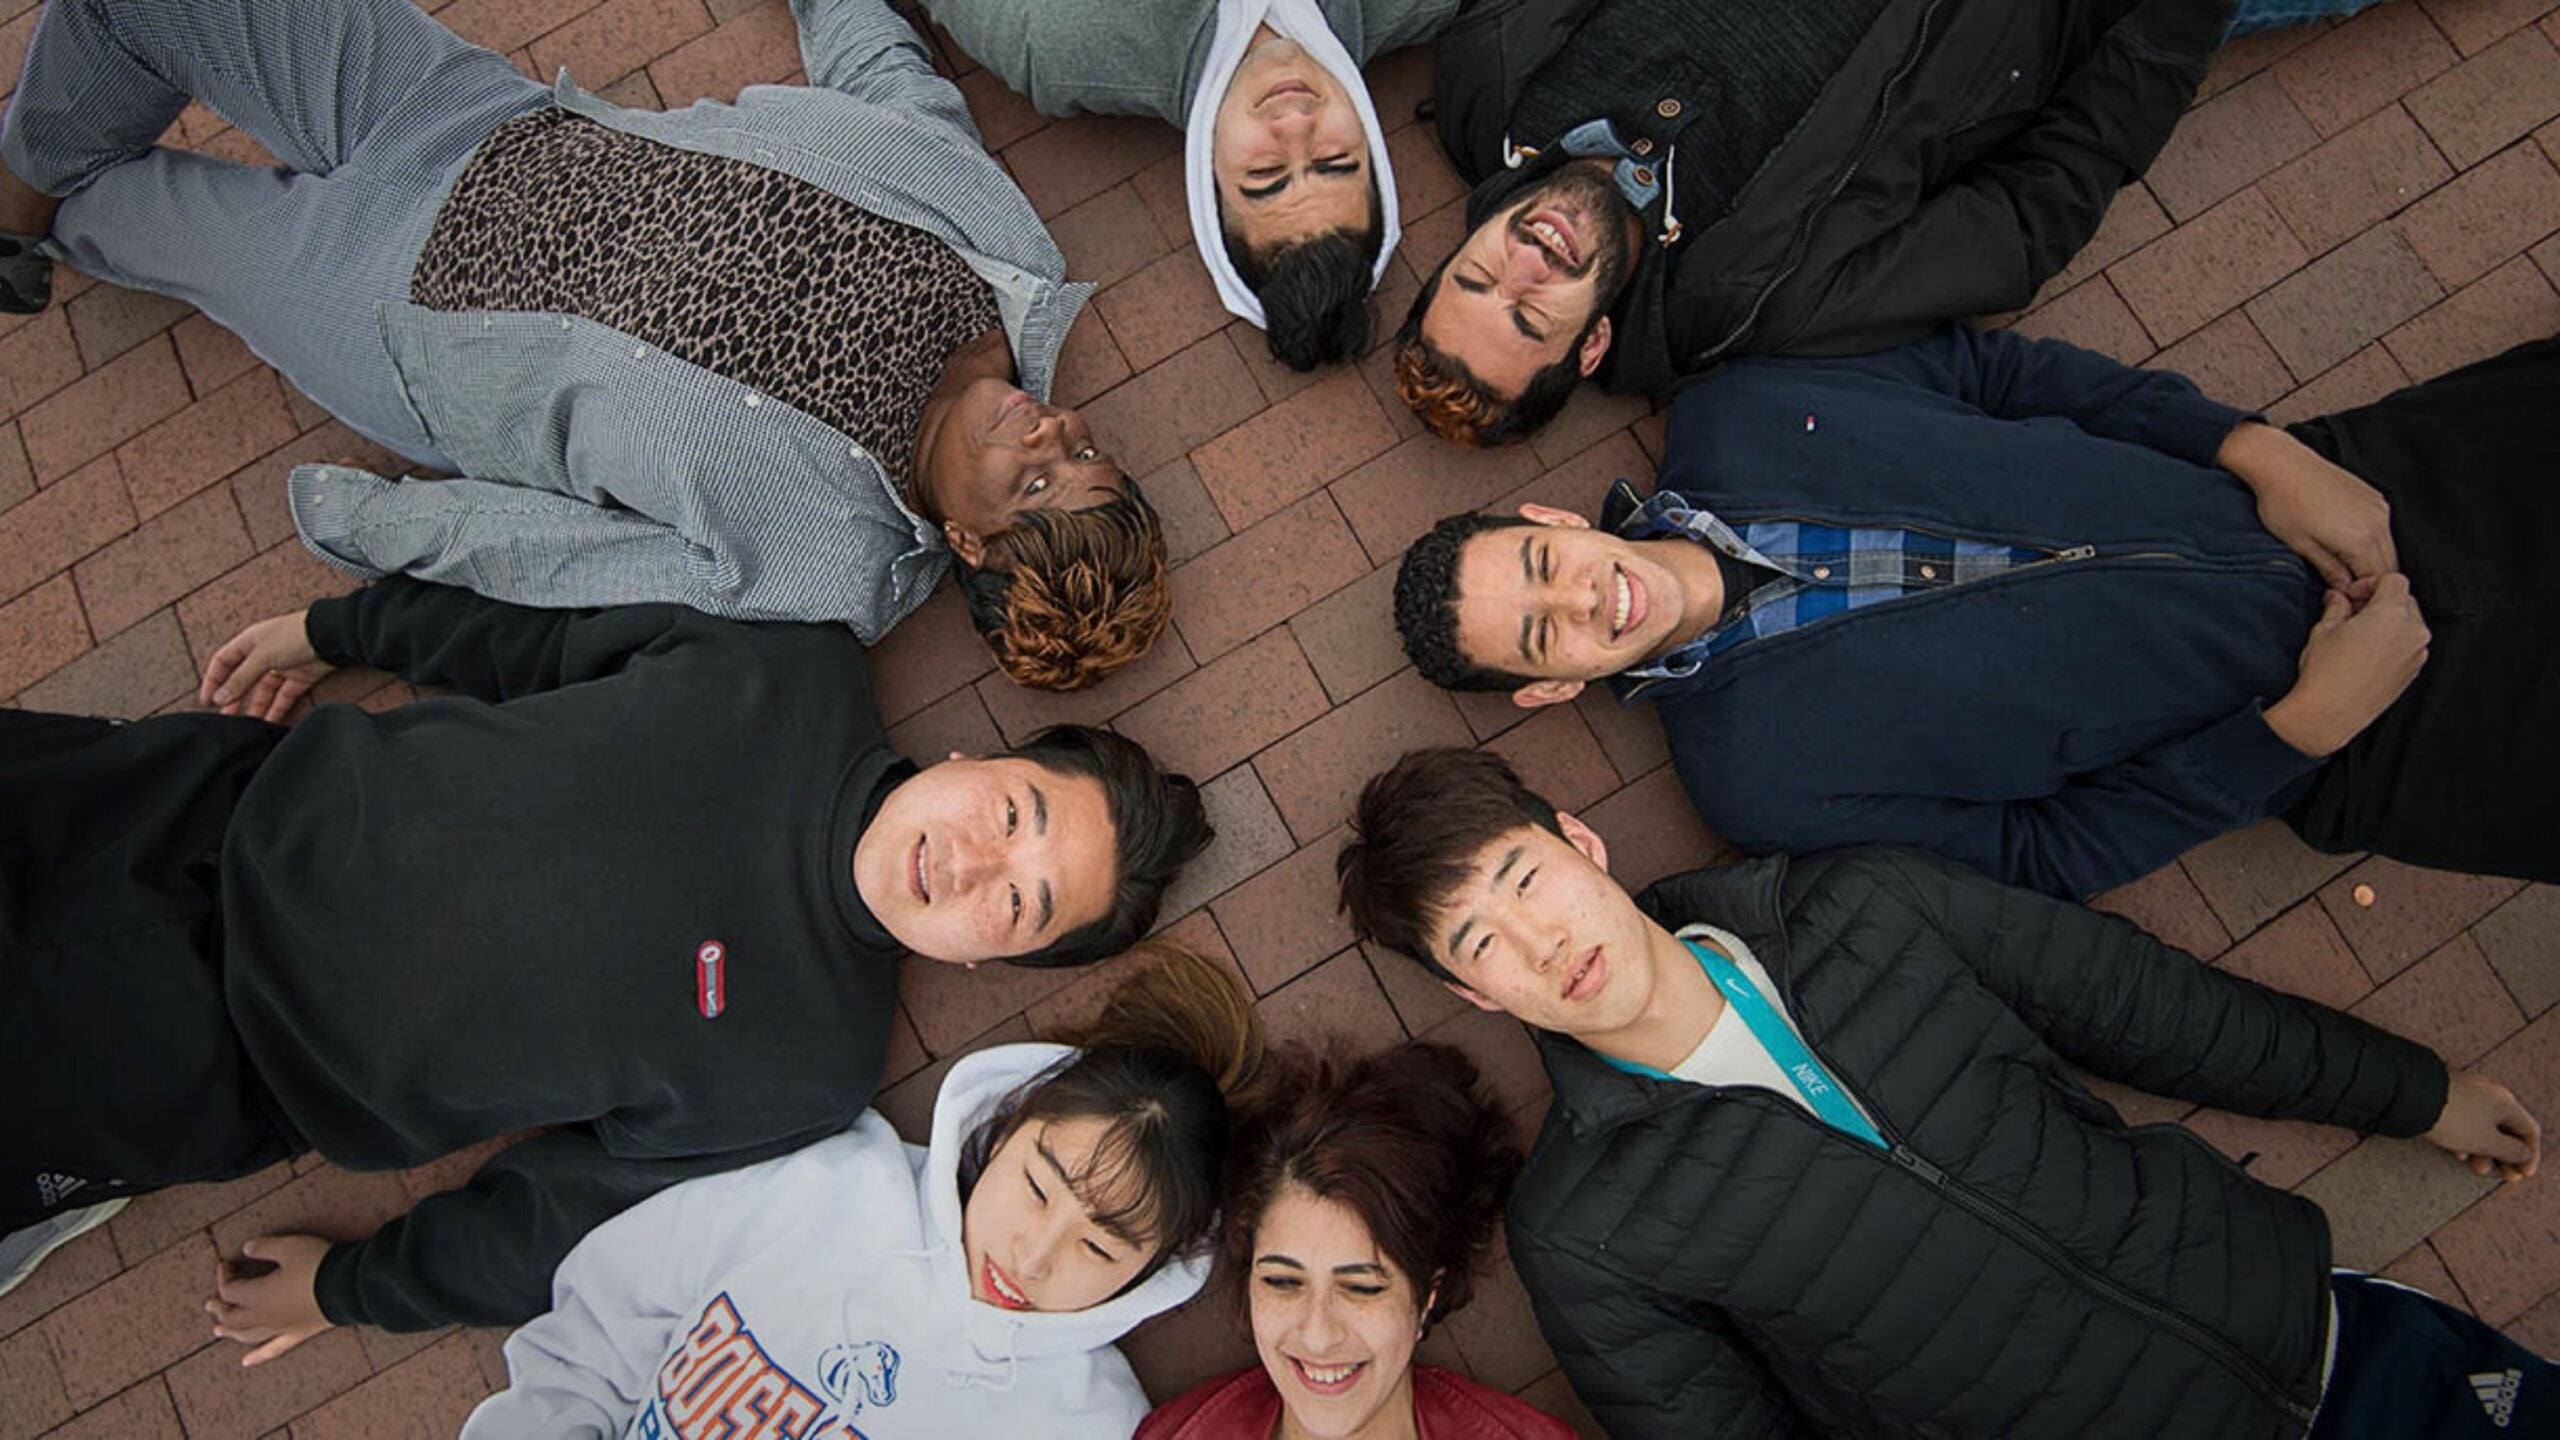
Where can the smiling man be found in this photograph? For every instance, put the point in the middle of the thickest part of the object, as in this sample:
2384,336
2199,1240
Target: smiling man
647,881
2057,617
1660,186
776,360
1291,194
1819,1163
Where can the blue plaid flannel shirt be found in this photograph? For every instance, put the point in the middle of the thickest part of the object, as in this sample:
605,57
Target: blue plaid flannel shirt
1821,570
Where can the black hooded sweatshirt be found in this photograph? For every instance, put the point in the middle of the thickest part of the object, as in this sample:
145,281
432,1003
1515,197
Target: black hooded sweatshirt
609,888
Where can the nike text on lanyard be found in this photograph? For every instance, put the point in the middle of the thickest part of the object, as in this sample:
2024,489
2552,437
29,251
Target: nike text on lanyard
1769,1028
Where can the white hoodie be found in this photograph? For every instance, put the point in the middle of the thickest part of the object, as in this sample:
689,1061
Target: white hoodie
820,1296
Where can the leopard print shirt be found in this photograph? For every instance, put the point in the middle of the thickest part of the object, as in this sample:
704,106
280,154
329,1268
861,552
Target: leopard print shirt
747,272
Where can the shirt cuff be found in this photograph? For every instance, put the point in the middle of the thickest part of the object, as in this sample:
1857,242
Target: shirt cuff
325,500
334,1286
2193,428
2247,760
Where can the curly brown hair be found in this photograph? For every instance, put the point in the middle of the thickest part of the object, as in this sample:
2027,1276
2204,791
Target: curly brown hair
1458,406
1065,597
1410,1139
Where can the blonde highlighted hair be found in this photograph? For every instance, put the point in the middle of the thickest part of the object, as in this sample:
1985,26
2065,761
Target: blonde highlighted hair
1066,597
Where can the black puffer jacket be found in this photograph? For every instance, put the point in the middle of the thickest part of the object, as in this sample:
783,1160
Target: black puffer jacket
1960,157
1712,1261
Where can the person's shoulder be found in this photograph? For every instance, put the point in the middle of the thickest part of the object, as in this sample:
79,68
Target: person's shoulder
1449,1406
1240,1405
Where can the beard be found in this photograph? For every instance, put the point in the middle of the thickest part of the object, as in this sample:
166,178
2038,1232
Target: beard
1589,196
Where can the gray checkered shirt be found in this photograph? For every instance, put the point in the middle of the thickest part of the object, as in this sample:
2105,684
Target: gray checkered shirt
598,470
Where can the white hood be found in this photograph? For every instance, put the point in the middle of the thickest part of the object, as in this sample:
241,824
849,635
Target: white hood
970,1093
1302,21
827,1287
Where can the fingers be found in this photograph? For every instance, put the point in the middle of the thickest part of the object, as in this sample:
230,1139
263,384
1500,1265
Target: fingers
218,670
271,1350
2335,607
2334,572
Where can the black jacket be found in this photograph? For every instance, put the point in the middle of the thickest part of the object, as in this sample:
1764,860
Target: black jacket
1959,159
1712,1261
473,916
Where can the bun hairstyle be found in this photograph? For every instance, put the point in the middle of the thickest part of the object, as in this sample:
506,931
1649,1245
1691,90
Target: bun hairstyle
1176,1043
1407,1138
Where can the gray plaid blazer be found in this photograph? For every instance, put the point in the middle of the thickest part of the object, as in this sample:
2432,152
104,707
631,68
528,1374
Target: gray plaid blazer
598,470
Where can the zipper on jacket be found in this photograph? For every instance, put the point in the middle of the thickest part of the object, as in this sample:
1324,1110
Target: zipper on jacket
1804,223
1899,1154
2006,1221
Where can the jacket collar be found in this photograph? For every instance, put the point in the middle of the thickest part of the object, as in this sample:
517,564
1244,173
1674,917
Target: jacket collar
1595,1097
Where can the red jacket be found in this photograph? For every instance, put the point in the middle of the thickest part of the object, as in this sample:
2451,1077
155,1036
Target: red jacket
1446,1406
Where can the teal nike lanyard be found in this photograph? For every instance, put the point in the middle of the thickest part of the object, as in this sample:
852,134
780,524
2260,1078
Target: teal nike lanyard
1775,1036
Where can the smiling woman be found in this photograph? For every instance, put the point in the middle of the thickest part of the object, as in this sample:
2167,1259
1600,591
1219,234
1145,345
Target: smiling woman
1361,1205
973,1288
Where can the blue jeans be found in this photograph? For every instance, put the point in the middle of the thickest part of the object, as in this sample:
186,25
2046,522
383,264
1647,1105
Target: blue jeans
2256,15
2411,1367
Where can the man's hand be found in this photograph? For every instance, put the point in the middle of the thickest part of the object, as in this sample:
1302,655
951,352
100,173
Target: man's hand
2322,513
2357,661
274,1311
2487,1128
265,669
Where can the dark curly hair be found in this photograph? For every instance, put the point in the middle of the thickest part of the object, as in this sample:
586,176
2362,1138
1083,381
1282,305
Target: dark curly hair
1408,1138
1418,826
1427,605
1315,291
1157,826
1456,404
1065,597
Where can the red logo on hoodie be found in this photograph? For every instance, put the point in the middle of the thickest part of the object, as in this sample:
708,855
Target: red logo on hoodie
710,979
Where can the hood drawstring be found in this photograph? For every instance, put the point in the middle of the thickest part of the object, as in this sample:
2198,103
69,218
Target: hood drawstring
960,1380
1670,182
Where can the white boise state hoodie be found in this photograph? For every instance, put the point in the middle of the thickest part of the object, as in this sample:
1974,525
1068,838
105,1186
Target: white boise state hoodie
820,1296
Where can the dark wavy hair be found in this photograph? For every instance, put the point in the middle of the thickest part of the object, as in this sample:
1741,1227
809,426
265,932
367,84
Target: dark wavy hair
1157,826
1408,1139
1427,604
1315,291
1456,404
1176,1045
1064,598
1417,826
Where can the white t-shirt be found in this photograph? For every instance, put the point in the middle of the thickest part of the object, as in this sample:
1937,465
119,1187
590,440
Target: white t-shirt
1730,1054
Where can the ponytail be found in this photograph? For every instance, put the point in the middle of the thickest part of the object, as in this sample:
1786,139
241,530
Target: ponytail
1175,1044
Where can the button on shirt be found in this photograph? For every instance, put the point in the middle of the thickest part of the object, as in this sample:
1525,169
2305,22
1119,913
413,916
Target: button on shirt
1818,570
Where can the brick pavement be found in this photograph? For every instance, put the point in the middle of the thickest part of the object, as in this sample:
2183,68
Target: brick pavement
2347,209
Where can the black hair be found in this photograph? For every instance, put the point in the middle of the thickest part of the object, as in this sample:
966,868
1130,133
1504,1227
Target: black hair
1418,826
1177,1043
1315,291
1427,605
1157,826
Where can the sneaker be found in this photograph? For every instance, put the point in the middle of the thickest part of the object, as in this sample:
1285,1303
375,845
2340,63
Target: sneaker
26,277
21,1251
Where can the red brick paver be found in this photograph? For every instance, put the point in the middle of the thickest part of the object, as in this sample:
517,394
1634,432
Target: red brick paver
2349,208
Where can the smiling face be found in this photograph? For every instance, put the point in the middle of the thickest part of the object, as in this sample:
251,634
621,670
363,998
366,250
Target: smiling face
1333,1319
986,859
987,451
1538,929
1031,1240
1288,150
1566,603
1525,290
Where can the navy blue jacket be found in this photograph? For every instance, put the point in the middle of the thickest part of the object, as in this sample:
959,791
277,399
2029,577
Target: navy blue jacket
2068,725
